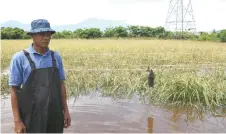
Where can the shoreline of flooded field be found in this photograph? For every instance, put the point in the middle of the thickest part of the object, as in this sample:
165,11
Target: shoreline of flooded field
93,113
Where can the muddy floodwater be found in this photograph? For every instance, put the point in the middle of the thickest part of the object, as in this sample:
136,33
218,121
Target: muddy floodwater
95,114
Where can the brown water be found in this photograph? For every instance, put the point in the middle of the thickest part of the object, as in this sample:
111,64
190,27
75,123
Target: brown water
103,114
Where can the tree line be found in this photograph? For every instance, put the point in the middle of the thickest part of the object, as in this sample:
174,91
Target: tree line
120,32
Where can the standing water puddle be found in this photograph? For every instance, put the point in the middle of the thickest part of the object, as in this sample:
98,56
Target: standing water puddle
96,114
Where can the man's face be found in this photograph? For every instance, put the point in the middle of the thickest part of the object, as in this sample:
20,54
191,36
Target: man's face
42,39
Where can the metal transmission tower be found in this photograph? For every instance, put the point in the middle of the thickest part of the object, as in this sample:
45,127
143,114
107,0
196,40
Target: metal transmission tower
180,18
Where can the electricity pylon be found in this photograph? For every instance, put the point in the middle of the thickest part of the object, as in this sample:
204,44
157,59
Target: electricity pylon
180,18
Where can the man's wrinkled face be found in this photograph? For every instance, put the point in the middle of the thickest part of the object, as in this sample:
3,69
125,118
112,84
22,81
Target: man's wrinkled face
42,39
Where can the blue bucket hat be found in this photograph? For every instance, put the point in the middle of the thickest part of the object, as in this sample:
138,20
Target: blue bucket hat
40,25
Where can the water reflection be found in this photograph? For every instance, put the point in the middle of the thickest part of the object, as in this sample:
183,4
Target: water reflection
93,113
150,124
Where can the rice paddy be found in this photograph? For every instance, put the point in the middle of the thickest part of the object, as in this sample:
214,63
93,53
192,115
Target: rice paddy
190,76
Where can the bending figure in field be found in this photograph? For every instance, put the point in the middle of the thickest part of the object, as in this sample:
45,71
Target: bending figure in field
151,77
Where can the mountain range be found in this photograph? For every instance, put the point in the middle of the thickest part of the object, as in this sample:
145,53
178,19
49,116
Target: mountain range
88,23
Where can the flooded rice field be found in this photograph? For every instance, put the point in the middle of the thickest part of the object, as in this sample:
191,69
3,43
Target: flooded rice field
93,113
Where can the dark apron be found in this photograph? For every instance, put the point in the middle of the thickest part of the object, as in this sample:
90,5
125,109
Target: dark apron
39,100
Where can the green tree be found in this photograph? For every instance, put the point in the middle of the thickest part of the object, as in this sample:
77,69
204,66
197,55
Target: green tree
12,33
67,34
25,36
133,31
204,36
109,32
81,33
222,35
93,33
58,35
159,32
120,31
6,33
17,33
146,31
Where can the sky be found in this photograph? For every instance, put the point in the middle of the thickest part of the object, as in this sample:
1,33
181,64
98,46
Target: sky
209,14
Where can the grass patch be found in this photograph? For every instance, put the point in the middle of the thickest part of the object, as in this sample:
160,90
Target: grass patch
190,75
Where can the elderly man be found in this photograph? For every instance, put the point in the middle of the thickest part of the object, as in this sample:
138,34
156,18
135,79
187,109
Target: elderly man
38,93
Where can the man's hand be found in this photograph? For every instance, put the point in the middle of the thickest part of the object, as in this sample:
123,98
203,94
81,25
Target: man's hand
19,127
67,119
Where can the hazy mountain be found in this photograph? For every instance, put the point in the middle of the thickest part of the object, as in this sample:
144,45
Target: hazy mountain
14,23
89,23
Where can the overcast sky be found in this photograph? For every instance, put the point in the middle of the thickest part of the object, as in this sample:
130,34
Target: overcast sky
209,14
